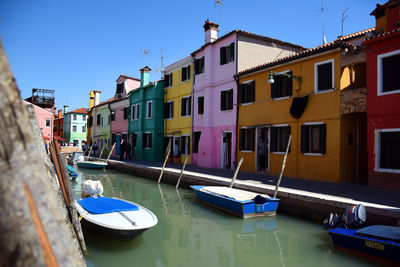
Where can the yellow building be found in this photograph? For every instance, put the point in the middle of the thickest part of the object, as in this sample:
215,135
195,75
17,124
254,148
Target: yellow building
178,108
318,97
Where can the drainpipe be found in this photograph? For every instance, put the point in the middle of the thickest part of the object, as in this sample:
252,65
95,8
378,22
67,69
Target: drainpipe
191,126
237,99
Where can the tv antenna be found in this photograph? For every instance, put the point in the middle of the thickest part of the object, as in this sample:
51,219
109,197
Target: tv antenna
161,69
323,27
344,17
145,52
219,3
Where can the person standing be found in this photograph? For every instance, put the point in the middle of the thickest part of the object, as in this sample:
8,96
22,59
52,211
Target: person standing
262,151
128,150
122,149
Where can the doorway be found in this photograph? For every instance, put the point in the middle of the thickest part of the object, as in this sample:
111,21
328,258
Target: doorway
118,143
262,157
226,150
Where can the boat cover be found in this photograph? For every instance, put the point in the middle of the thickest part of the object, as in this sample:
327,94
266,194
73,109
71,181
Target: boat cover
70,169
232,193
101,205
381,232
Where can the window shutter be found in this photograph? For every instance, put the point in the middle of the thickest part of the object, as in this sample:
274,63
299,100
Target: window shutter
252,91
189,103
223,100
166,77
196,66
144,140
287,138
274,137
150,141
188,72
222,55
241,139
166,109
202,65
274,87
232,55
241,93
183,107
183,74
304,138
172,109
251,139
182,146
323,138
290,84
230,99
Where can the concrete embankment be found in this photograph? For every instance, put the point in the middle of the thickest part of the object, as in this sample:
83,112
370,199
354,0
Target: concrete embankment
309,204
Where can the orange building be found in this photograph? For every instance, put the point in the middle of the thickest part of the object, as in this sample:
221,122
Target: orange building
58,126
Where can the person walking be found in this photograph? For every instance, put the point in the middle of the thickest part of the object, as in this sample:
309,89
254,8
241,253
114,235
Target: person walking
128,150
262,151
122,149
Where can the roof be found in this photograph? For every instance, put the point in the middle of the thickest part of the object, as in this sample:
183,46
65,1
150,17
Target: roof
382,35
250,35
339,42
79,110
127,77
105,102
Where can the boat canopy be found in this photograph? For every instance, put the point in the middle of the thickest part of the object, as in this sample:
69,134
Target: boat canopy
101,205
381,232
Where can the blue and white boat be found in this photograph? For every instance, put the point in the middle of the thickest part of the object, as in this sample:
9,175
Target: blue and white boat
377,241
114,217
92,164
238,202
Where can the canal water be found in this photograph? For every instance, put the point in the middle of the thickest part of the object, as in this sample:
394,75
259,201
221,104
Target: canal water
191,234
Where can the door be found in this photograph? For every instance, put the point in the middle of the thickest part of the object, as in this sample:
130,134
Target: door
117,144
226,150
262,158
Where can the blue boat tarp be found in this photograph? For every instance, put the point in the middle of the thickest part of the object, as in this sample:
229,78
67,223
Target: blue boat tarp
101,205
381,232
70,169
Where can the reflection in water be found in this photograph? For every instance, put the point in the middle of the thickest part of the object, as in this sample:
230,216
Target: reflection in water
189,233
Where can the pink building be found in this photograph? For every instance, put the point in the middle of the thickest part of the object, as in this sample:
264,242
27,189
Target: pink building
119,109
45,119
215,89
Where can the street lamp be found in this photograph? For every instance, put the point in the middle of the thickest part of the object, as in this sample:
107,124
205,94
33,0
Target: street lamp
271,76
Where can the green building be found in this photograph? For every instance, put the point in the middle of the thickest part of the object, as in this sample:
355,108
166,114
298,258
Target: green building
146,124
75,126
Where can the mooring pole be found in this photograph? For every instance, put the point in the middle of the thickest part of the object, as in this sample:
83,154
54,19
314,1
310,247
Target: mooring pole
236,172
283,167
90,151
165,161
109,155
101,153
183,168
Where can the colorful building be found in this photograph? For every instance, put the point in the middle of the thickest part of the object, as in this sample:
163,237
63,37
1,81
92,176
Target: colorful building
383,98
58,129
178,108
146,125
46,121
75,126
318,97
215,90
119,109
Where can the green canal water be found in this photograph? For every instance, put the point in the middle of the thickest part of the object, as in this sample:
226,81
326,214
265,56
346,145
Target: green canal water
191,234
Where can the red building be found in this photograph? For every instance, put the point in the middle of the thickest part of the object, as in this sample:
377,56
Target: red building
58,126
383,97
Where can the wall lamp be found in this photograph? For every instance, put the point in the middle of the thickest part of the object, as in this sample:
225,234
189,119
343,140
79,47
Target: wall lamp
271,76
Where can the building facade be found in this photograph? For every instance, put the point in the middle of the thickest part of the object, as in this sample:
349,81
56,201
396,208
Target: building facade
45,119
58,129
146,124
75,126
178,109
215,90
383,98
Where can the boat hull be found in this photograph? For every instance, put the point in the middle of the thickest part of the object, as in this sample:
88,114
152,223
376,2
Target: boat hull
92,164
243,209
381,250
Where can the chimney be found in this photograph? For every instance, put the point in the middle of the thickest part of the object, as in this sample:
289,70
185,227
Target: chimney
65,109
144,76
94,98
59,113
211,31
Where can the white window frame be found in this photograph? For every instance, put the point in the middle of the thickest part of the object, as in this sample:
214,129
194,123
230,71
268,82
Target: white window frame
76,128
170,112
167,86
45,123
316,91
188,110
279,125
248,127
147,142
309,124
283,97
188,145
378,150
247,103
74,117
137,111
379,73
233,105
147,109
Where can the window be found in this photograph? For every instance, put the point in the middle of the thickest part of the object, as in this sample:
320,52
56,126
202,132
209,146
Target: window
169,110
313,138
134,138
148,110
186,73
113,138
185,145
109,118
186,106
388,70
91,121
168,80
48,122
126,113
227,54
146,140
84,117
279,138
196,136
199,65
84,129
101,121
323,76
54,129
133,110
74,117
282,86
246,139
227,100
112,115
137,111
387,142
98,119
200,105
120,88
74,128
176,149
247,92
61,128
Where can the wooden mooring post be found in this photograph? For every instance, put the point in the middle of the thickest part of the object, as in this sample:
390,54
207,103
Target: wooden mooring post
101,153
283,167
180,176
165,161
236,172
109,155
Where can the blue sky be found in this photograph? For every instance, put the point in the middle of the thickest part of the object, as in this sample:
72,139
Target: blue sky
76,46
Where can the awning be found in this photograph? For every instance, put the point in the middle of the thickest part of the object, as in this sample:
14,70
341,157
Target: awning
298,106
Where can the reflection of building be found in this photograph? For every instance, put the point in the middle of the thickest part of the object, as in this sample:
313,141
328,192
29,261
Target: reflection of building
45,119
146,125
177,108
75,126
383,84
318,97
215,89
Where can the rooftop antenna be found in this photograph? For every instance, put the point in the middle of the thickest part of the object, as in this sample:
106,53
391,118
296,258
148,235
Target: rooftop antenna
344,17
323,28
145,52
219,3
161,69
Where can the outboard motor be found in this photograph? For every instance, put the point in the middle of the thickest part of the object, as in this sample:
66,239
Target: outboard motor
354,217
